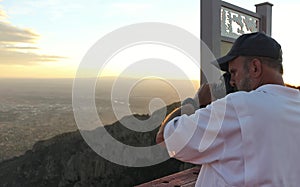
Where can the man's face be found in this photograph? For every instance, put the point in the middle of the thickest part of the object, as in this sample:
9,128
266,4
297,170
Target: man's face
240,77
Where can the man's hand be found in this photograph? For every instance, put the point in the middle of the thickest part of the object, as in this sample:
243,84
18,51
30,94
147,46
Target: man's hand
186,109
203,95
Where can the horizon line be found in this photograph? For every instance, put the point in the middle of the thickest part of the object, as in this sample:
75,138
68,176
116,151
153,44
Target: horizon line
105,77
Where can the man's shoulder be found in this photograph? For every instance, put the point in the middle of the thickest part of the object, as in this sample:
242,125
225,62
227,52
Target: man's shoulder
236,95
243,97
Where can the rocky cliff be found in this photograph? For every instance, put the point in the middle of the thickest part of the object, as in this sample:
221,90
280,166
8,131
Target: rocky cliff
66,160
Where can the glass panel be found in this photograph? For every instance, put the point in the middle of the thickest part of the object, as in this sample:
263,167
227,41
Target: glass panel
234,24
225,47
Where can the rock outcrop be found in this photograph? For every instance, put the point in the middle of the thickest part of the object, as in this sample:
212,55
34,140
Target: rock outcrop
66,160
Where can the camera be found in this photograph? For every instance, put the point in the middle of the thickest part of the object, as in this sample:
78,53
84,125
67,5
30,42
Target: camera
223,87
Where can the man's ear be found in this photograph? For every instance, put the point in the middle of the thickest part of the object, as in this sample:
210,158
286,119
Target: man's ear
255,68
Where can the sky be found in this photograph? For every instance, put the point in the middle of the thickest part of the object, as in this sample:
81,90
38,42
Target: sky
49,38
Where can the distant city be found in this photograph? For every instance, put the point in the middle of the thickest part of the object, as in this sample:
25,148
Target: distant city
38,109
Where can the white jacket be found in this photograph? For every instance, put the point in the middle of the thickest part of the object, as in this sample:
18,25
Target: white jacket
245,139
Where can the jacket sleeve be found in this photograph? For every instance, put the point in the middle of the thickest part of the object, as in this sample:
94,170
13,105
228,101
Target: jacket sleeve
201,138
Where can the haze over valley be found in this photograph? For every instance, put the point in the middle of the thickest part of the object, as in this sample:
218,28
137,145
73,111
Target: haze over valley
38,109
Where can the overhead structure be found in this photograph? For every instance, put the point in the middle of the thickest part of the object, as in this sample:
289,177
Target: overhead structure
222,23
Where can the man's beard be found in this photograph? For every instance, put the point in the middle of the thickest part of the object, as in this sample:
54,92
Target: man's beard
245,84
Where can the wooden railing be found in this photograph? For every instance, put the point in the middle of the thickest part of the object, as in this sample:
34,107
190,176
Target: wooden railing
186,178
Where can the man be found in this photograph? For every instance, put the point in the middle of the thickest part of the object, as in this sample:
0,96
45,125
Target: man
248,138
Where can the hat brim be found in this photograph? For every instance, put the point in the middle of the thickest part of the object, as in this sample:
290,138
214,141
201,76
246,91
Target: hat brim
222,63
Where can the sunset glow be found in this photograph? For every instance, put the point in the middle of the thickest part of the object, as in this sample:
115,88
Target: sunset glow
48,39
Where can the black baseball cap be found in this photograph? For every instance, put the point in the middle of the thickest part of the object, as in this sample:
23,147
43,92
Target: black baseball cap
253,44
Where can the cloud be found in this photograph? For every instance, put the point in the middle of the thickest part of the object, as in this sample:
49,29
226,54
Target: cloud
17,45
13,34
22,58
2,14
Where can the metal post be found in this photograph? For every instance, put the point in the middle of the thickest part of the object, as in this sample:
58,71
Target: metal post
265,10
210,13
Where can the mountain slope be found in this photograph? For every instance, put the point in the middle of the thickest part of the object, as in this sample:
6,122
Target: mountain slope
66,160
